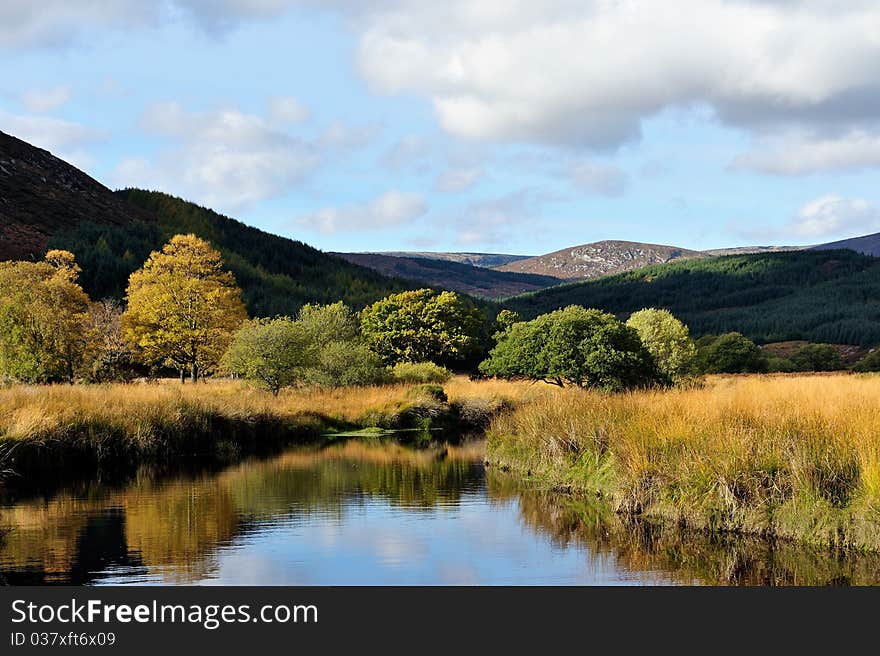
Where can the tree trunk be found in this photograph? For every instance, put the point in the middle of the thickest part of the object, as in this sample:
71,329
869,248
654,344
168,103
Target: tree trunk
194,375
182,375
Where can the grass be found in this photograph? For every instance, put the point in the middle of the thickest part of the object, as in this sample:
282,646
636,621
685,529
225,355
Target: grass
793,457
44,428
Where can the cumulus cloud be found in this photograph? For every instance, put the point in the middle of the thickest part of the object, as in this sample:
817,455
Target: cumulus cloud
286,109
599,179
224,158
457,180
408,151
589,73
833,216
803,153
347,137
44,100
54,134
390,209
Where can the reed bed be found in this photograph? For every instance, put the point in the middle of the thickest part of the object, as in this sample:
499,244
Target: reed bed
795,457
43,427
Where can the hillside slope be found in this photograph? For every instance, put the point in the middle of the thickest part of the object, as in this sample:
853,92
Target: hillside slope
41,194
598,259
867,245
277,275
483,260
820,296
457,276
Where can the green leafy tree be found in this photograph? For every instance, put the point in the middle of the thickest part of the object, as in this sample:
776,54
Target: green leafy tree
43,319
667,340
573,346
731,353
422,326
272,351
183,307
344,364
818,357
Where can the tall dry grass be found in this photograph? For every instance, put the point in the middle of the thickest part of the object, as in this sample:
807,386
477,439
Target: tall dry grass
43,425
791,456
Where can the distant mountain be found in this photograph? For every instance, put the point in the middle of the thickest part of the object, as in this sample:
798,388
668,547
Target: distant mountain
748,250
41,194
486,260
598,259
448,274
816,295
867,245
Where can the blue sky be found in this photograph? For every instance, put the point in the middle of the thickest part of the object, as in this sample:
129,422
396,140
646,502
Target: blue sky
518,127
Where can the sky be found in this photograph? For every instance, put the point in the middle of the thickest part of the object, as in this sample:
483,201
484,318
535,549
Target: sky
511,126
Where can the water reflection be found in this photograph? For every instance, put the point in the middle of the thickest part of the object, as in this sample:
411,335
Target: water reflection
361,513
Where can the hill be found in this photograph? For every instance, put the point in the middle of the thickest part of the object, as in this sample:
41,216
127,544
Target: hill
484,260
277,275
457,276
816,295
867,245
748,250
598,259
41,194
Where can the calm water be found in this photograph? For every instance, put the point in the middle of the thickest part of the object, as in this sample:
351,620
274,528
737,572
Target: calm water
378,513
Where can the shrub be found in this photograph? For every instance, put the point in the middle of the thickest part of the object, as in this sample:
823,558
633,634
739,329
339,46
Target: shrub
419,372
870,362
731,353
818,357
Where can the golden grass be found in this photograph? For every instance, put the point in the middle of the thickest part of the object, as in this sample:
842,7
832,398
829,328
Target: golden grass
796,456
100,423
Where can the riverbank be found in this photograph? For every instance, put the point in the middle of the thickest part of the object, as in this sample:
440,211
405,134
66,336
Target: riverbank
47,431
793,457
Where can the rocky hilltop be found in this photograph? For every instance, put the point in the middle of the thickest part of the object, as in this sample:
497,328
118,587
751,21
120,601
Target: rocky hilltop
41,194
599,258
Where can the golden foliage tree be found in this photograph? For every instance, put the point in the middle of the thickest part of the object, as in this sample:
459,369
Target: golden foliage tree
183,307
43,319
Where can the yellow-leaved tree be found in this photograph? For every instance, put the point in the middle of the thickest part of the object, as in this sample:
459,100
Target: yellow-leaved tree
43,313
183,307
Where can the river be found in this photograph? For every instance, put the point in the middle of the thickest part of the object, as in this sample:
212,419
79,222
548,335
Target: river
371,512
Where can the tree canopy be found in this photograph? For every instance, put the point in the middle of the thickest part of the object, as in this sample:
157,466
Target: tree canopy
422,326
667,340
43,319
573,346
183,307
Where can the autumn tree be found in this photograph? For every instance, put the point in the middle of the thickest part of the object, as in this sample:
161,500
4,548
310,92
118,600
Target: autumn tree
43,319
422,326
183,307
109,356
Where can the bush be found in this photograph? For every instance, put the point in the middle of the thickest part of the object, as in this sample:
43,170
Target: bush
818,357
778,365
419,372
870,362
731,353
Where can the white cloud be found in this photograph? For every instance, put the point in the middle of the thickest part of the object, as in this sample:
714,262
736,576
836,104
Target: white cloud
286,109
803,153
833,216
457,180
407,152
390,209
599,179
346,137
54,134
589,72
223,158
44,100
